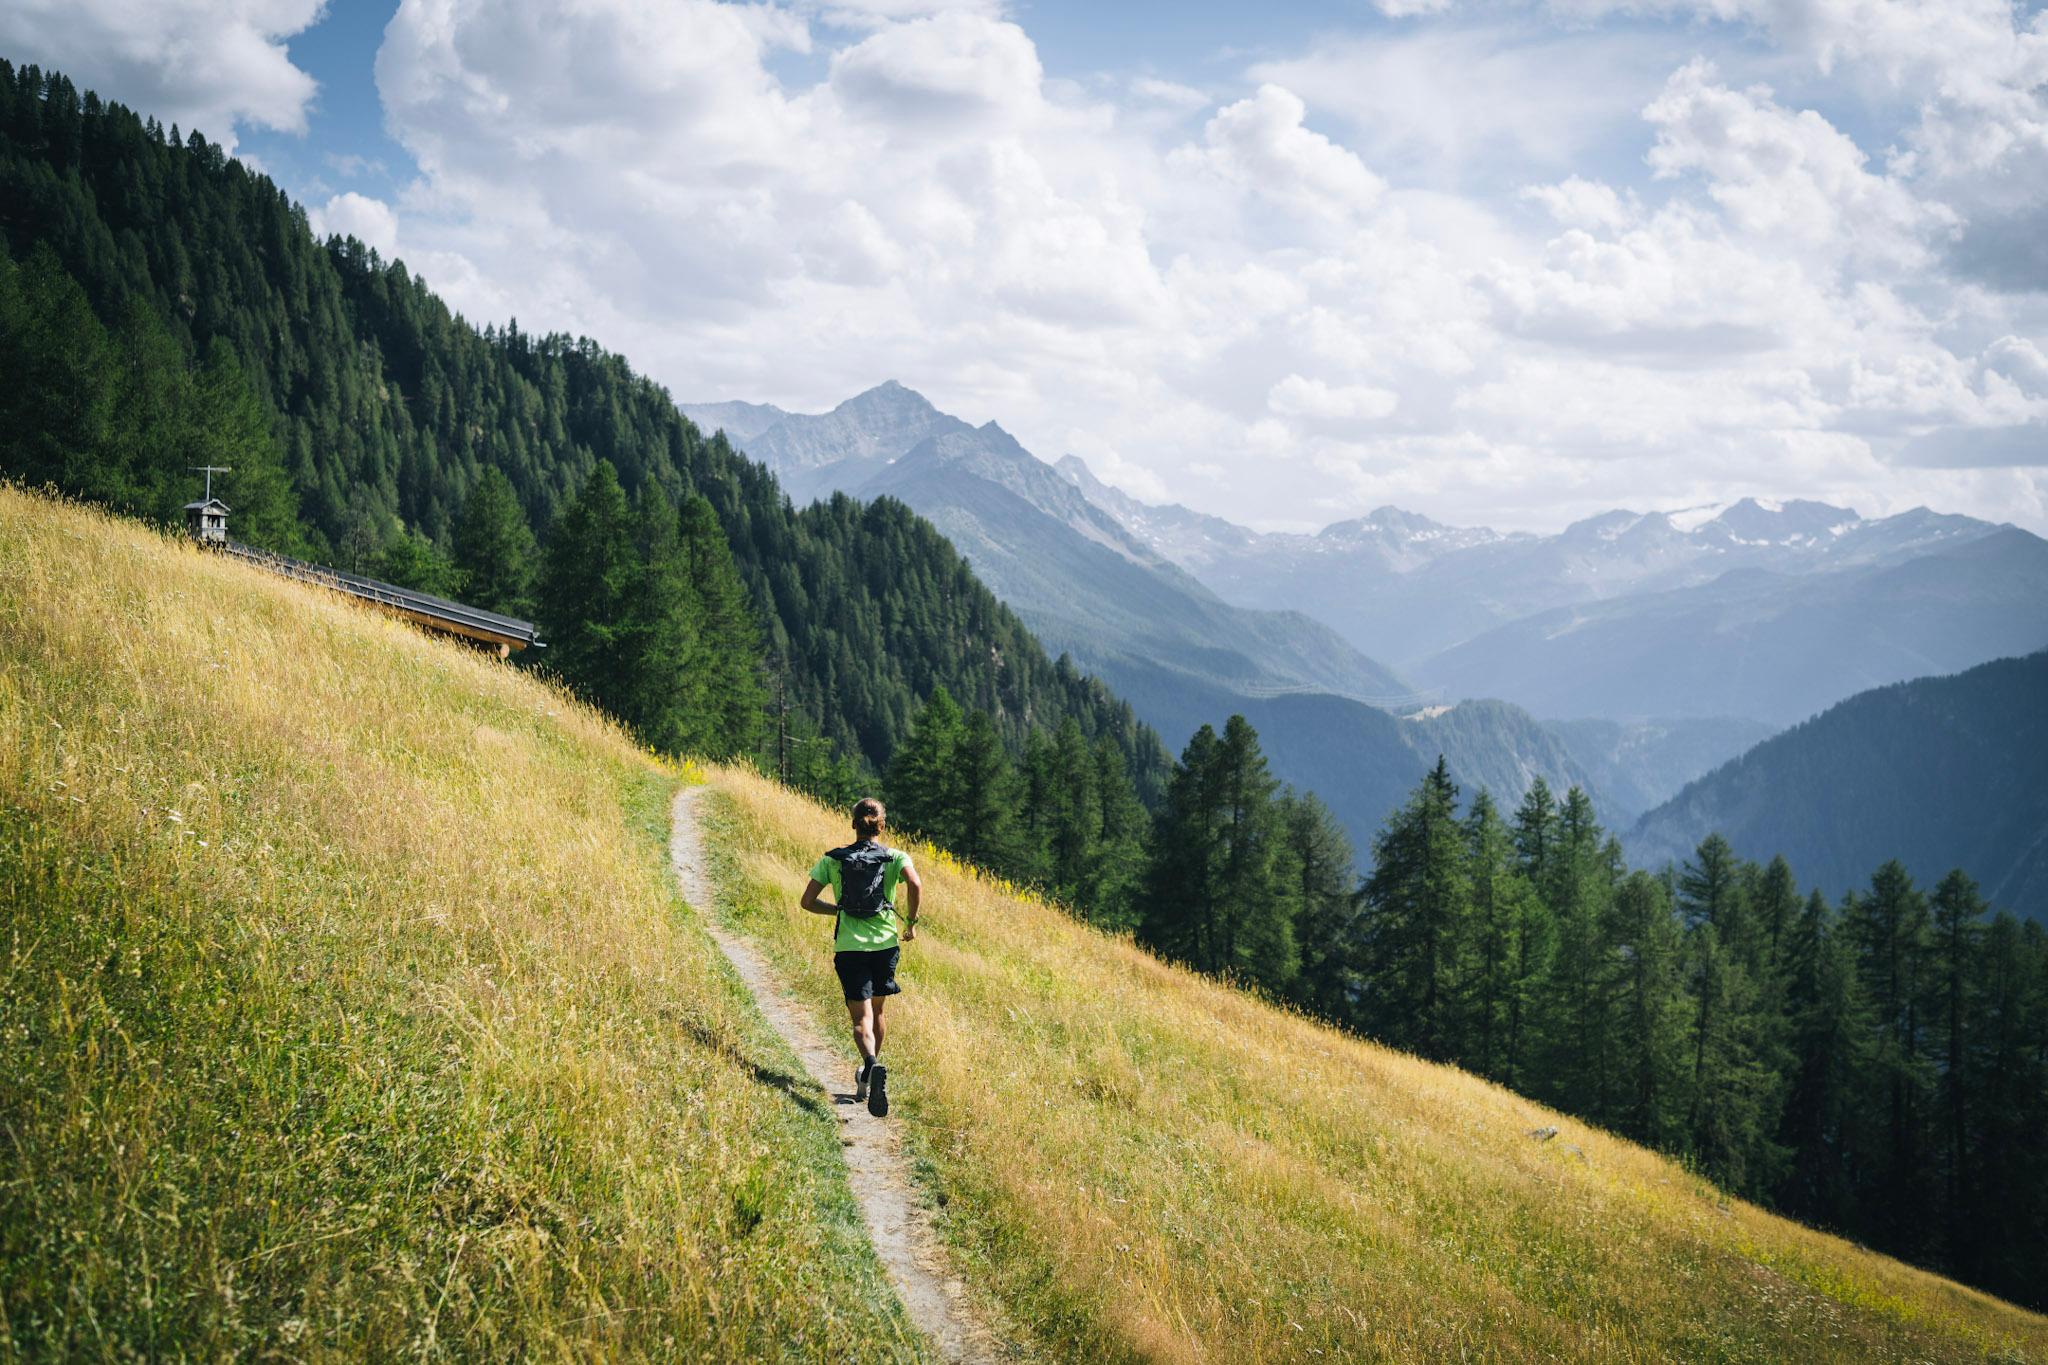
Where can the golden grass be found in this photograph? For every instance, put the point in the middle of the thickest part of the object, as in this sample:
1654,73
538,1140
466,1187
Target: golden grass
349,1008
1140,1163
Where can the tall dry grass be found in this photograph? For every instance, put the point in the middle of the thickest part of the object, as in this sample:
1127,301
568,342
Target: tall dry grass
1140,1163
349,1009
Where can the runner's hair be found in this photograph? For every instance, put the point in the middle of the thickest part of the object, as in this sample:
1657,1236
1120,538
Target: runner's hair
868,817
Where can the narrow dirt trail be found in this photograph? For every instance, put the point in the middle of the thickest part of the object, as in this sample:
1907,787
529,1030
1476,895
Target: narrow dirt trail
898,1225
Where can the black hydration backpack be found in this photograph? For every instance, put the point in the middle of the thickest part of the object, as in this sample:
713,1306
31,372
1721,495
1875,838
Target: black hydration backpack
861,869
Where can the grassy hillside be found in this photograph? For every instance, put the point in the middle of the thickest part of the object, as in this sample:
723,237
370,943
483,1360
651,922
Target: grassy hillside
1144,1164
350,1011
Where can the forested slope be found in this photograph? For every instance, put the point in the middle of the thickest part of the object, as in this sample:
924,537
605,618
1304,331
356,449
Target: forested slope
1938,773
384,410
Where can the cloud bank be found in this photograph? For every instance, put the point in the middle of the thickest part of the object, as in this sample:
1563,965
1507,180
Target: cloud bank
1498,265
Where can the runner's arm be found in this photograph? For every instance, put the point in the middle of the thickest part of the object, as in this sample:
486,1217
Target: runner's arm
916,889
811,902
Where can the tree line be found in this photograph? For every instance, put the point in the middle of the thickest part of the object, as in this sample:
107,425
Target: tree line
1876,1066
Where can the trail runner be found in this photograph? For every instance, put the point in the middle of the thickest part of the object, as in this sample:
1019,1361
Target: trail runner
864,877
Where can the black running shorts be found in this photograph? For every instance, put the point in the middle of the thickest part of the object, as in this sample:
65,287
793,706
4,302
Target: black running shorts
867,975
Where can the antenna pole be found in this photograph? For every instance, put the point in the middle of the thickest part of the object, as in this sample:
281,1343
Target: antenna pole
209,470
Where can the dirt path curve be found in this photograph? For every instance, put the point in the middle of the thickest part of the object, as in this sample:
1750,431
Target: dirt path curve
898,1225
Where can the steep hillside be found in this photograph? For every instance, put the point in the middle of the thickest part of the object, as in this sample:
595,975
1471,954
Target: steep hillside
349,1011
1636,765
457,1074
1143,1164
1765,646
1938,773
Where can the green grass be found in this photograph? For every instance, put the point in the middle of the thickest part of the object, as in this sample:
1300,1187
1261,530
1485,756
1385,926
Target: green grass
350,1010
1139,1163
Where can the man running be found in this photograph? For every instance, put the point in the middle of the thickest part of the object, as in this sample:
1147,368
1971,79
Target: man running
864,876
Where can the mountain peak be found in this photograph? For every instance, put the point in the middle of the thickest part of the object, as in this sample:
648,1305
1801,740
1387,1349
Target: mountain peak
888,396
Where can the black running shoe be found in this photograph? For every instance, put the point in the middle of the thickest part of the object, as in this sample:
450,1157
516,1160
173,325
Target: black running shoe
878,1091
860,1082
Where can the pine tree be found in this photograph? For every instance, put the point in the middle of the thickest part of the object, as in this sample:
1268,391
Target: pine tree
1316,862
2010,1064
1417,904
1118,860
1257,925
922,788
1179,906
494,548
1958,913
1651,1011
1829,1030
1497,988
1579,869
233,428
588,579
734,690
1072,829
981,823
662,656
1890,930
1732,1122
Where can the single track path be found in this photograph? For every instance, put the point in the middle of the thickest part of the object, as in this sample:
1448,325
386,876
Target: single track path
899,1226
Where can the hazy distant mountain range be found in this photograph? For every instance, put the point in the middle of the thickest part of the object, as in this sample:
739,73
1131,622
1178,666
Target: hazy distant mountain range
1162,639
1763,611
1656,645
1938,773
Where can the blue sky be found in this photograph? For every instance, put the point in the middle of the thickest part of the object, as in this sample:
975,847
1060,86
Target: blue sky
1500,261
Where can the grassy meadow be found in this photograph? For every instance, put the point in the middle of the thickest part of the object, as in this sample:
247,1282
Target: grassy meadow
350,1011
1142,1164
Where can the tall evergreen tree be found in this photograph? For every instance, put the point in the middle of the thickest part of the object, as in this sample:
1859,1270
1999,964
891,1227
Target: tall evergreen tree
1958,913
1118,858
1890,930
981,822
1732,1121
1498,989
660,649
1257,926
1417,905
1650,1014
1316,863
1578,870
1179,906
590,575
1829,1025
494,548
923,785
734,686
1074,820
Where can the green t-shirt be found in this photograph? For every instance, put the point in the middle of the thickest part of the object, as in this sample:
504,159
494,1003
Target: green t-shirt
879,931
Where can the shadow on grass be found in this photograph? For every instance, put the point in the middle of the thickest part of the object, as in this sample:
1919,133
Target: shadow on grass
797,1089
